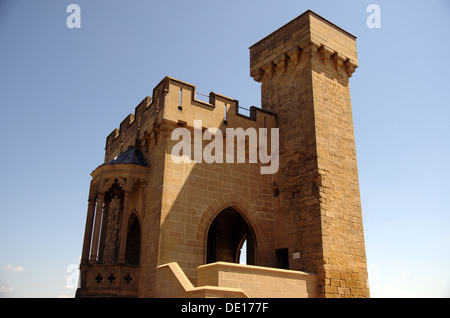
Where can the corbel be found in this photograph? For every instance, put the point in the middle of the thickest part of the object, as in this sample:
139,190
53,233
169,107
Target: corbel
295,55
280,62
269,69
338,60
257,74
310,48
350,67
325,53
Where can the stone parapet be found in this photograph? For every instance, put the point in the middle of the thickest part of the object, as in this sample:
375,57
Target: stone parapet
229,280
176,103
100,280
307,34
258,281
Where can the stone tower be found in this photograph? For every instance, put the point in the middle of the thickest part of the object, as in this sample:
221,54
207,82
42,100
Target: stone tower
163,227
304,68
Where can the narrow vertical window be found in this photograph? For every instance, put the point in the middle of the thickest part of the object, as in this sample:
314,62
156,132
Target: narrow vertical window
133,243
225,114
181,98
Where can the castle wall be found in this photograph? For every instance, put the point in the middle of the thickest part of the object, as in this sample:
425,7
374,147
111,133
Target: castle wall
182,199
194,193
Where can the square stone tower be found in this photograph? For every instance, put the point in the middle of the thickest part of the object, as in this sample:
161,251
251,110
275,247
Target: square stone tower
304,68
165,226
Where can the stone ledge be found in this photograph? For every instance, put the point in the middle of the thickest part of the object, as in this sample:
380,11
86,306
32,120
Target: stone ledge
258,281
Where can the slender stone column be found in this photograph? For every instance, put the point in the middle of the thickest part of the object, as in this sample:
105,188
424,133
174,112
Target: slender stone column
98,216
123,229
88,231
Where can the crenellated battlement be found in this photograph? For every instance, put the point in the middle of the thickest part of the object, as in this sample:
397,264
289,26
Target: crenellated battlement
307,35
176,103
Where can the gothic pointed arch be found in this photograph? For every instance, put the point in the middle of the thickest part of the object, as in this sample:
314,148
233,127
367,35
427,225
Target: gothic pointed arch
226,236
235,208
133,240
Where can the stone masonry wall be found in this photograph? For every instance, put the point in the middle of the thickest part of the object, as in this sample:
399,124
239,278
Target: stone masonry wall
342,225
194,193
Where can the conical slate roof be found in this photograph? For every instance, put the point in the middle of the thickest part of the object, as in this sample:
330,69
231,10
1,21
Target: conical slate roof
131,155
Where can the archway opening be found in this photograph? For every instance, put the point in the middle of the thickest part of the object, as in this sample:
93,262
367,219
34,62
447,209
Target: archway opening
242,252
230,239
133,244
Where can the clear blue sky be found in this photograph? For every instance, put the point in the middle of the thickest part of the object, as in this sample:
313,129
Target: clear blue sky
62,91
